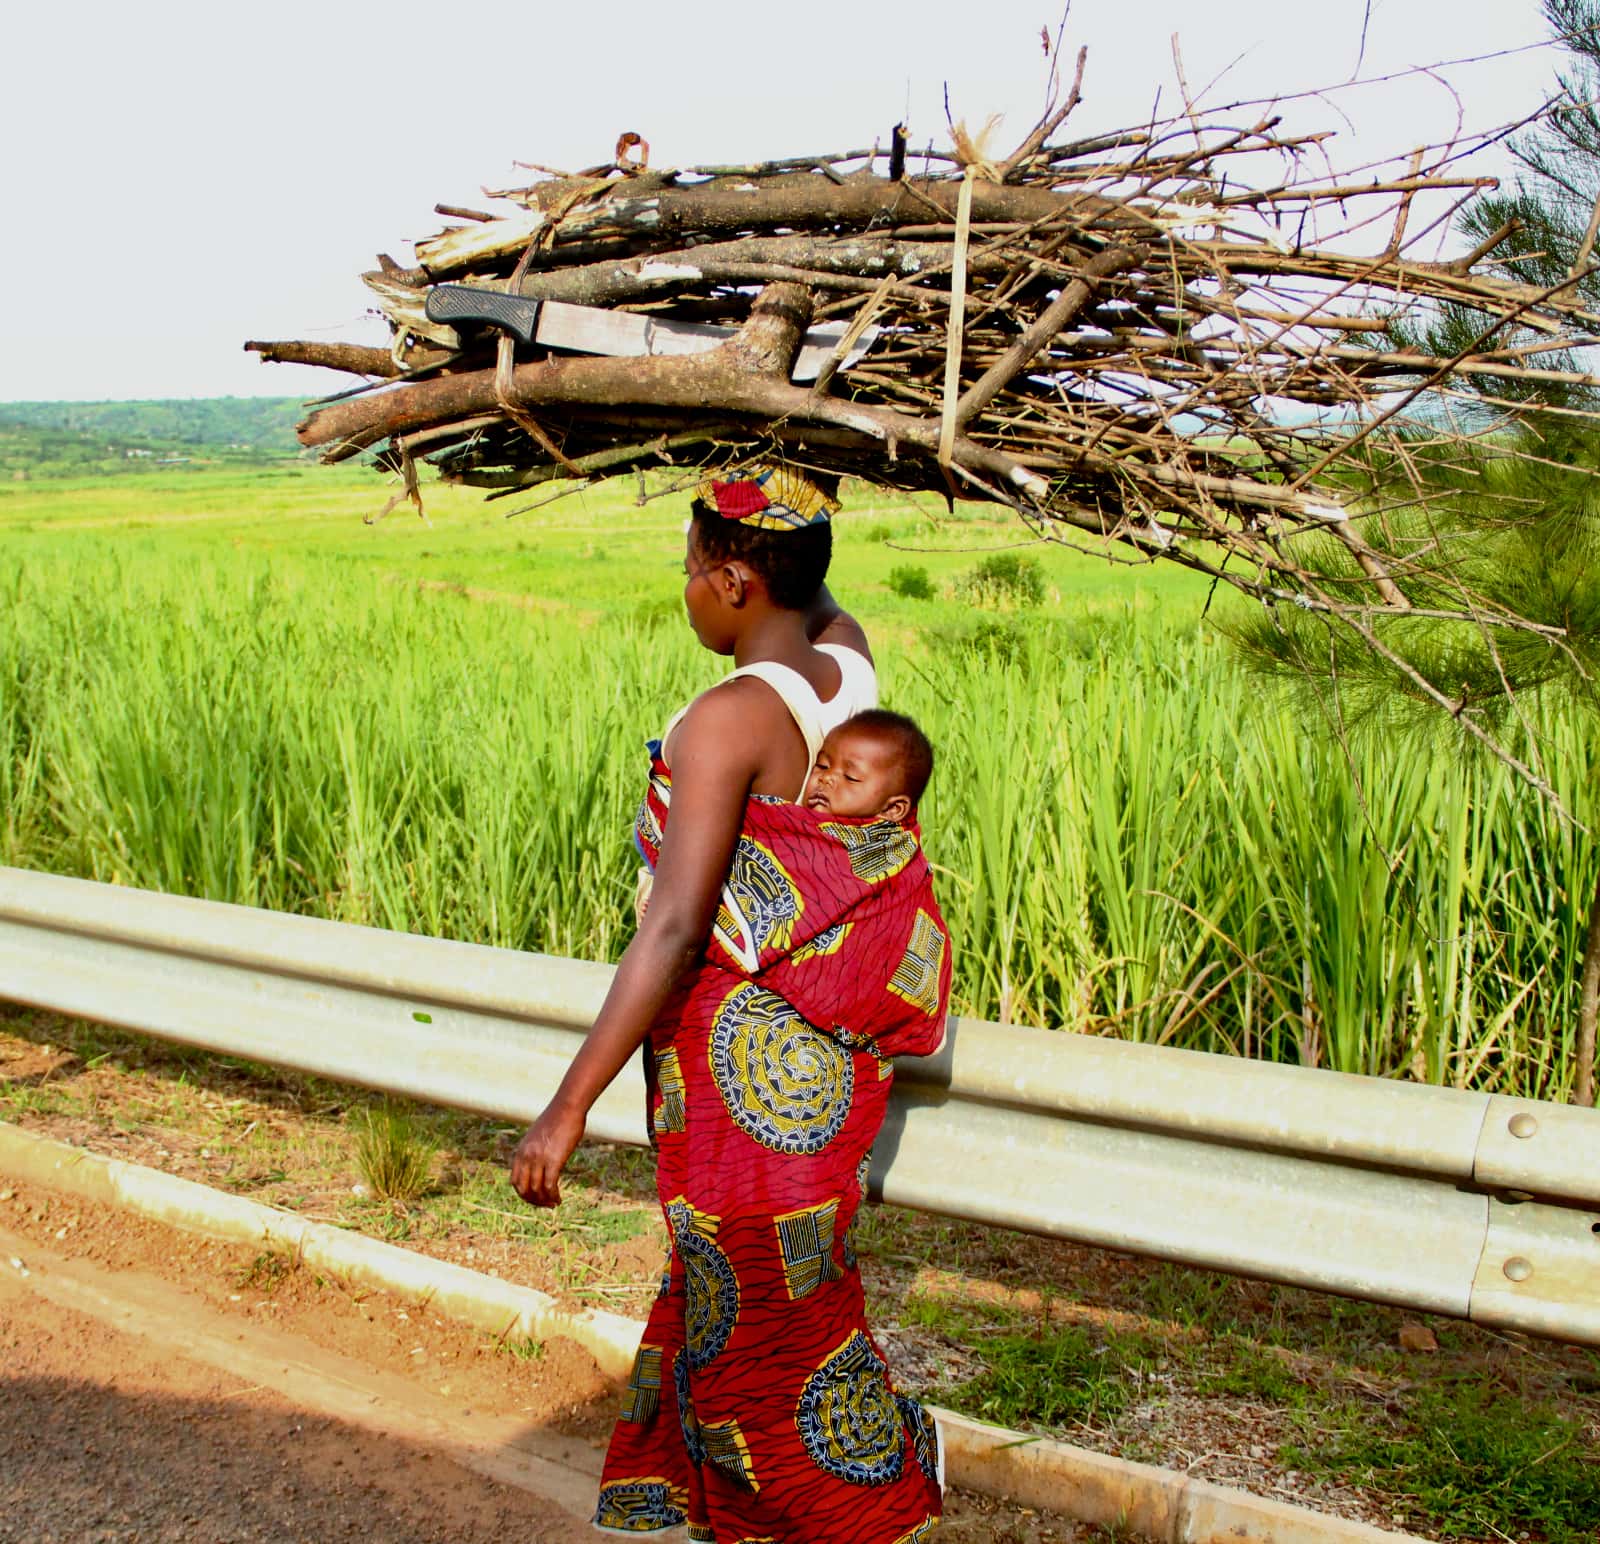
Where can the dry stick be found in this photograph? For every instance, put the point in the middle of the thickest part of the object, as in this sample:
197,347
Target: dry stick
1046,126
1514,405
505,362
851,336
1410,364
1432,280
1438,375
1338,194
1456,711
1397,240
1323,321
658,449
799,203
954,326
463,428
867,260
1183,88
1485,247
1581,261
1022,353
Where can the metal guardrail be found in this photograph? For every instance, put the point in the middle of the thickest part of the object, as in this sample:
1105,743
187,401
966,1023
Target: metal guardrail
1473,1205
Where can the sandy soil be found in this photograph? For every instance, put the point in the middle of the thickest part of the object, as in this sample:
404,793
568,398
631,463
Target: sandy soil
157,1386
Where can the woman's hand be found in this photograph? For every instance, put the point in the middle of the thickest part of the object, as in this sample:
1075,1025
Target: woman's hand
542,1154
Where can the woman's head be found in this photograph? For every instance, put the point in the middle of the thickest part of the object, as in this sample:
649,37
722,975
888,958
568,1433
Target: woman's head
791,564
767,531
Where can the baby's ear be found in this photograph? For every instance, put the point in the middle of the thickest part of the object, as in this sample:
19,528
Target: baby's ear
896,809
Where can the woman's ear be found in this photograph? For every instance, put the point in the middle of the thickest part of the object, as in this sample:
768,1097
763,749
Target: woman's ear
896,809
734,579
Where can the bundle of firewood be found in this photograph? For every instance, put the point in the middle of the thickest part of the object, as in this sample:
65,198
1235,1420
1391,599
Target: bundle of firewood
1167,335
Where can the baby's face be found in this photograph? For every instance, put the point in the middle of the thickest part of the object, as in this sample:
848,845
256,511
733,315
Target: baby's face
857,774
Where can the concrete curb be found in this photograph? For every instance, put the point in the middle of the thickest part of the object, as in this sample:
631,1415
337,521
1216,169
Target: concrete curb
1158,1505
468,1296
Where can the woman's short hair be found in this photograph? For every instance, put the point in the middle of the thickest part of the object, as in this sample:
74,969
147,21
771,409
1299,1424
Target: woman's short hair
792,564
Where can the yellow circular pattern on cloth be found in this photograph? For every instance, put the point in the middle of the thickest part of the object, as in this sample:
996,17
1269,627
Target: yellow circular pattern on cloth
784,1082
848,1419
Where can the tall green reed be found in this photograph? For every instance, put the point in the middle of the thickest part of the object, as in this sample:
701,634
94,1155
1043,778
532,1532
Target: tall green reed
1129,837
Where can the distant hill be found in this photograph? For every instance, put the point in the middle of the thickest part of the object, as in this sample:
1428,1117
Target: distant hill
76,439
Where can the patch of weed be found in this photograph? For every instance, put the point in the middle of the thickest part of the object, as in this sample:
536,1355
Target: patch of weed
485,1203
616,1227
1047,1377
912,581
268,1271
393,1152
37,1099
524,1348
998,641
1248,1372
1003,579
1473,1459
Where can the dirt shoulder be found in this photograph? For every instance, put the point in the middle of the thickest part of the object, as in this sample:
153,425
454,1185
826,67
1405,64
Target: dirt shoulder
158,1386
1440,1429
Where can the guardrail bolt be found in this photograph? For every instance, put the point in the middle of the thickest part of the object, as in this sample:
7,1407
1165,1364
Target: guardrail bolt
1523,1125
1518,1269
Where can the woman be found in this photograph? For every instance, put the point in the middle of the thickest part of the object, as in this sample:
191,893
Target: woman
759,1407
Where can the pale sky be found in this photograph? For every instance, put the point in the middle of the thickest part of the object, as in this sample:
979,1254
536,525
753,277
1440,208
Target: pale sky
178,177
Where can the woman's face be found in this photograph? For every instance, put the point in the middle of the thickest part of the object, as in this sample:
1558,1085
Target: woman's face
709,614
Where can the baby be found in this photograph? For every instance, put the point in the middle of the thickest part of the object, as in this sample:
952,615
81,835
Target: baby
876,765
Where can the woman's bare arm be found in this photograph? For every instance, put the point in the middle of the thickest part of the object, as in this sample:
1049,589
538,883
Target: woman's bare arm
716,757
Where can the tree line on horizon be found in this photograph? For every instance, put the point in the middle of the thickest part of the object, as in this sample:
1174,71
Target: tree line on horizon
75,439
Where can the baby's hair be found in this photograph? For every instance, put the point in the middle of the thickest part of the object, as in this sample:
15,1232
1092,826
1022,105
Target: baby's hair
912,745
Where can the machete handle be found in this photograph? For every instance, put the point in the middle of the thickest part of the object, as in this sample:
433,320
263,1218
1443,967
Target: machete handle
465,305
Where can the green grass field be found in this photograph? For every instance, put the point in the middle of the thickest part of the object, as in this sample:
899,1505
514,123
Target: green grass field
229,685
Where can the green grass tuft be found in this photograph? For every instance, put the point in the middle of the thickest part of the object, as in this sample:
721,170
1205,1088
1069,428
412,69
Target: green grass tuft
1057,1377
393,1154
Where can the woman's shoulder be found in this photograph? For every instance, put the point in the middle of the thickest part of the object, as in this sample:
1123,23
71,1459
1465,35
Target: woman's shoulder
736,710
843,632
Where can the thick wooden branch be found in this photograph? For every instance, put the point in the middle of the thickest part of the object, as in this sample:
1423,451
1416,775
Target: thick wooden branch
352,358
726,380
662,273
802,203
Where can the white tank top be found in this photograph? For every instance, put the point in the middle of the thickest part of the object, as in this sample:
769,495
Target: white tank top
858,691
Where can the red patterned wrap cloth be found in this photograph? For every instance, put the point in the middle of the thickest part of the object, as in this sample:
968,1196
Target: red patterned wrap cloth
760,1409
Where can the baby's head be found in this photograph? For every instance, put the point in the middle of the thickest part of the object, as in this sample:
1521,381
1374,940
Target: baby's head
875,764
